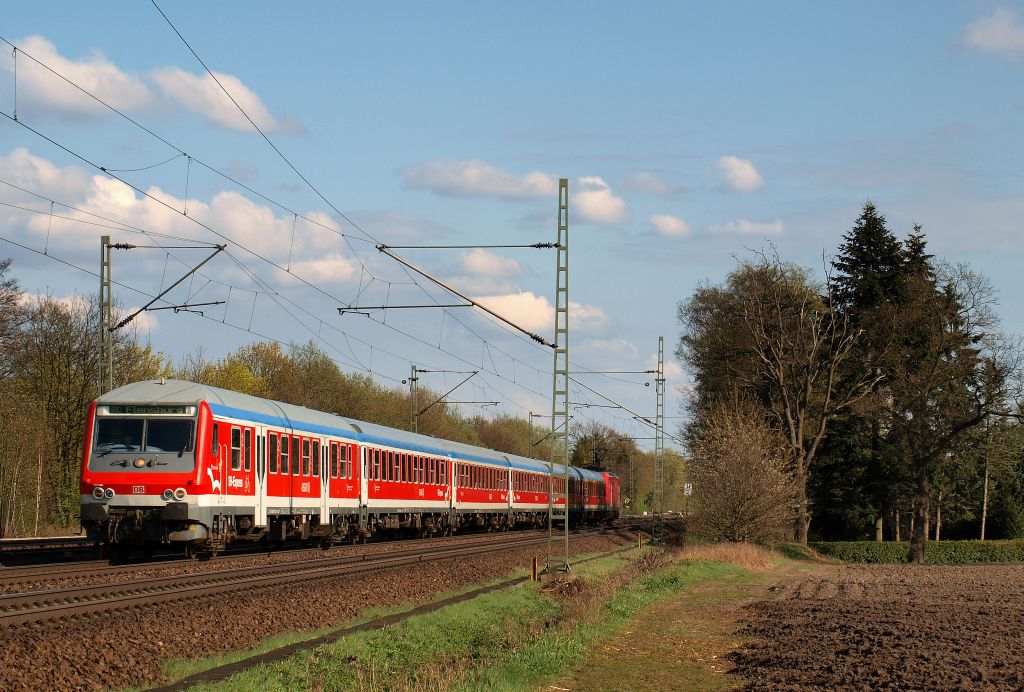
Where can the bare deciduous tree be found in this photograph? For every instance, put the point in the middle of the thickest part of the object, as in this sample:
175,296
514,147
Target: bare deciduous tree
743,488
800,343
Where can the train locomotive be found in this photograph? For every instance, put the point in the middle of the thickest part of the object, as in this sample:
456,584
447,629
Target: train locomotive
175,462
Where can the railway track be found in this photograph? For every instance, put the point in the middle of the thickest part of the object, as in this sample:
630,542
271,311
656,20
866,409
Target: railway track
55,543
91,568
36,606
36,550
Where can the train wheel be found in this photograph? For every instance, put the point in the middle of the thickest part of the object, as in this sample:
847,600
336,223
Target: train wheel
191,552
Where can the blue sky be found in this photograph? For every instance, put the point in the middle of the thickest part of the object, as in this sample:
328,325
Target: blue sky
691,133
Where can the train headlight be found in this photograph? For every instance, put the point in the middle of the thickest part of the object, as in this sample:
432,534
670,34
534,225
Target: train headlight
168,495
97,492
179,494
109,493
139,463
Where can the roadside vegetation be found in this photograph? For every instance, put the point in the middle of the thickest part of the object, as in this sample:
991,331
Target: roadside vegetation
516,639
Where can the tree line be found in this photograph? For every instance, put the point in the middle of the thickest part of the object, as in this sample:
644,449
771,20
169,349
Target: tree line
49,372
878,400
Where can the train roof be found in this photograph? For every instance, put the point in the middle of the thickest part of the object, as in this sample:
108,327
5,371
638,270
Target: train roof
269,412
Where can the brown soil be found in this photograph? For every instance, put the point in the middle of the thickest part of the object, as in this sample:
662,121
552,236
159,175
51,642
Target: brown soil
888,626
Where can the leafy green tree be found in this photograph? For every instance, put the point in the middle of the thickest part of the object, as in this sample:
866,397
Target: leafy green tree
860,468
955,370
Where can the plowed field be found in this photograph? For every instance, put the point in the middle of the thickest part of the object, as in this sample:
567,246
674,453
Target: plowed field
895,626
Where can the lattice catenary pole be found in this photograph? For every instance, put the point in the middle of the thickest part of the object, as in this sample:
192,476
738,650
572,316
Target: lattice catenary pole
558,497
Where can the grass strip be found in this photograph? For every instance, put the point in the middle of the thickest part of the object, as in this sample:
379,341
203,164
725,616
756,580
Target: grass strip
505,640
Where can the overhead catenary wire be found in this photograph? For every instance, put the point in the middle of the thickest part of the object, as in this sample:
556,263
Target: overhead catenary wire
347,238
207,227
270,200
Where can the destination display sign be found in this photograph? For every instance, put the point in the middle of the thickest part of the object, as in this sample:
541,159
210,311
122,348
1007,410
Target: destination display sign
148,409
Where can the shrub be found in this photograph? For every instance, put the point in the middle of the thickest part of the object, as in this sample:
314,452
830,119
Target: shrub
940,553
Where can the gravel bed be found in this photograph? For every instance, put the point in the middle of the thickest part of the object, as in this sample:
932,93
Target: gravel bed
127,648
179,568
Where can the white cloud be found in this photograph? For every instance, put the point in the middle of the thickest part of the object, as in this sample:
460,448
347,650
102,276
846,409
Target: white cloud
396,225
999,33
745,227
480,261
590,197
649,184
145,323
201,94
593,200
38,174
39,87
740,174
525,309
475,178
317,253
332,268
666,224
586,318
600,351
536,314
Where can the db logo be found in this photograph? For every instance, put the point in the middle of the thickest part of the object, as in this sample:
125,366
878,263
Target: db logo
305,487
138,489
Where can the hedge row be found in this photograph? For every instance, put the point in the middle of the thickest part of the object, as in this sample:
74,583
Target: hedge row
941,553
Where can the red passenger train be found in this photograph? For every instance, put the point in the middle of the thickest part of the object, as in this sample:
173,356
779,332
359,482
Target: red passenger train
184,463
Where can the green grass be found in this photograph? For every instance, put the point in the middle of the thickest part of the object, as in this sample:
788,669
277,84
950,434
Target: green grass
555,654
177,669
513,639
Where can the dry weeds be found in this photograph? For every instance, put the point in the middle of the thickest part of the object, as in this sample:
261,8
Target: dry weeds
744,555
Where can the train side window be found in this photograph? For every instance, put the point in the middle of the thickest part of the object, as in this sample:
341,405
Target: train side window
215,440
375,470
273,452
236,449
247,450
391,466
421,472
317,458
284,454
343,468
432,472
406,476
295,455
442,472
396,467
305,457
334,460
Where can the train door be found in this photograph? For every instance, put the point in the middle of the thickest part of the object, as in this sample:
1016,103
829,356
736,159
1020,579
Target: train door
325,481
217,470
260,480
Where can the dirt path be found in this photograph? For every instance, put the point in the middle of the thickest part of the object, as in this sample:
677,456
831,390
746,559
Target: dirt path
679,644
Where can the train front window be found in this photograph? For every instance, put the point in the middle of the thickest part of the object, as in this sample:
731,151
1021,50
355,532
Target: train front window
119,434
139,435
169,435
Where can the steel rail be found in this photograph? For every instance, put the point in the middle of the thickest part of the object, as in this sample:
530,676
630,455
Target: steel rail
21,608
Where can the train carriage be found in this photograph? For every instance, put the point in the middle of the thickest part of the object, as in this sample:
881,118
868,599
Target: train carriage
178,462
